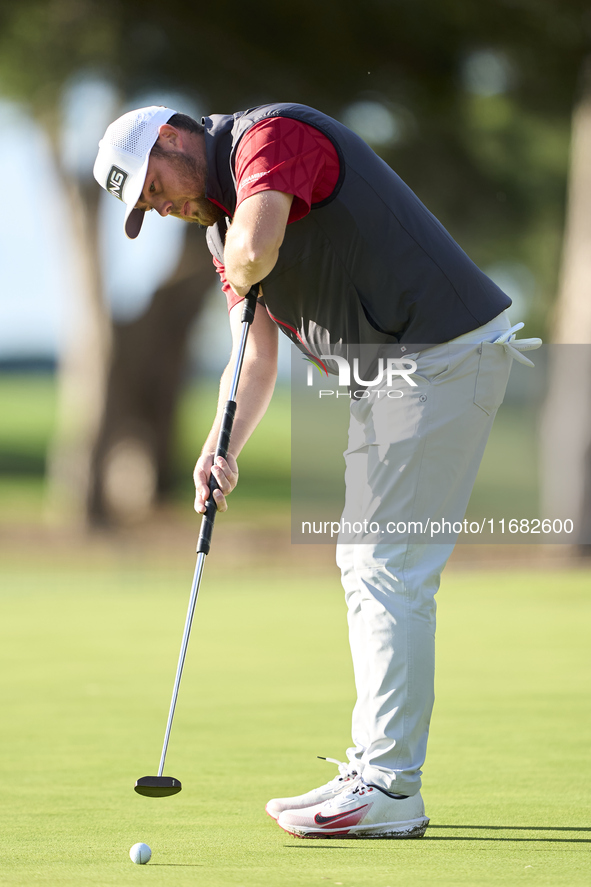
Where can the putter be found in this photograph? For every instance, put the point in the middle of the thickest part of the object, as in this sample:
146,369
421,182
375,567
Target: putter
161,786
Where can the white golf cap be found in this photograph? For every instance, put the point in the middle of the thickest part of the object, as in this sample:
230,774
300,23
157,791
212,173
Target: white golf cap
122,160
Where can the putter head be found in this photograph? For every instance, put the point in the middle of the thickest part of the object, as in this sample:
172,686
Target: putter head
157,786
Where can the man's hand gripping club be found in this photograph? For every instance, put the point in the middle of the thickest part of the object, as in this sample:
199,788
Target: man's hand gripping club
225,472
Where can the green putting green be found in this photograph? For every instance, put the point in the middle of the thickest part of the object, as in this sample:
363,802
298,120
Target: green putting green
88,660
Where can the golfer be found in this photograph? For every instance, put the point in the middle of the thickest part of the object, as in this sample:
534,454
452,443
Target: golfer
351,264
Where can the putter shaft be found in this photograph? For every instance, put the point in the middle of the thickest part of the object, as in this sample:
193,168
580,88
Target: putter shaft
211,510
184,644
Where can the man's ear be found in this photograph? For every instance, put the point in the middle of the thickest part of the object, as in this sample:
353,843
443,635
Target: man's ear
169,137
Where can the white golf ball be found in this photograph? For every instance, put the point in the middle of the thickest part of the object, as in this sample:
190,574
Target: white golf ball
140,854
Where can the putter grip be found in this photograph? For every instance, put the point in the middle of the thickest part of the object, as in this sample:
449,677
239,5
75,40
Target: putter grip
250,303
204,541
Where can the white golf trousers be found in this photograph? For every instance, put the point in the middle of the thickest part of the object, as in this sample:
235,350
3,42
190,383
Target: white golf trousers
411,458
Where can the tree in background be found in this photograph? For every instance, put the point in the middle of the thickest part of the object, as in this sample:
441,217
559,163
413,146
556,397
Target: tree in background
118,381
470,103
566,424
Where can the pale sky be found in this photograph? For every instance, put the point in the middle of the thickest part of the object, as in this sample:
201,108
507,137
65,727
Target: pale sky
37,285
34,282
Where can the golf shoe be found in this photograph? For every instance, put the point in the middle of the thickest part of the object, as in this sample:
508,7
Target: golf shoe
358,811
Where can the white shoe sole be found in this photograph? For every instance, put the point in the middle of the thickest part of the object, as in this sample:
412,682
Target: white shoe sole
414,828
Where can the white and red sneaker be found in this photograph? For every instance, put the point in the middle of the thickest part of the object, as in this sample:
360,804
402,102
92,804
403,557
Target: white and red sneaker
346,776
360,811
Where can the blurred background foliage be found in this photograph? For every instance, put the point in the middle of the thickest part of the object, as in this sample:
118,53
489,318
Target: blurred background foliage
472,104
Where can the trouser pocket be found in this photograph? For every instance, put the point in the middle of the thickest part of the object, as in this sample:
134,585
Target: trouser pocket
492,376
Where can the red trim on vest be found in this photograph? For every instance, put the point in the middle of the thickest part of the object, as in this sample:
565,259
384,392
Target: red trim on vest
313,357
217,203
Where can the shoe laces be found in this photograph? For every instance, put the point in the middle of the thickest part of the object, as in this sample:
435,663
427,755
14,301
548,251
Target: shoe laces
357,786
346,769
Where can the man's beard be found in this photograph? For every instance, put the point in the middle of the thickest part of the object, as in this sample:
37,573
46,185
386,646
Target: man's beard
191,175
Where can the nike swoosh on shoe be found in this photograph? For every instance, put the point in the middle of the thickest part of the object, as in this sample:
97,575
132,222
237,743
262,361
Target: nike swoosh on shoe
347,818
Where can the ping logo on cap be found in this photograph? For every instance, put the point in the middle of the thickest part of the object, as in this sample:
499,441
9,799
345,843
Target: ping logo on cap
115,181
